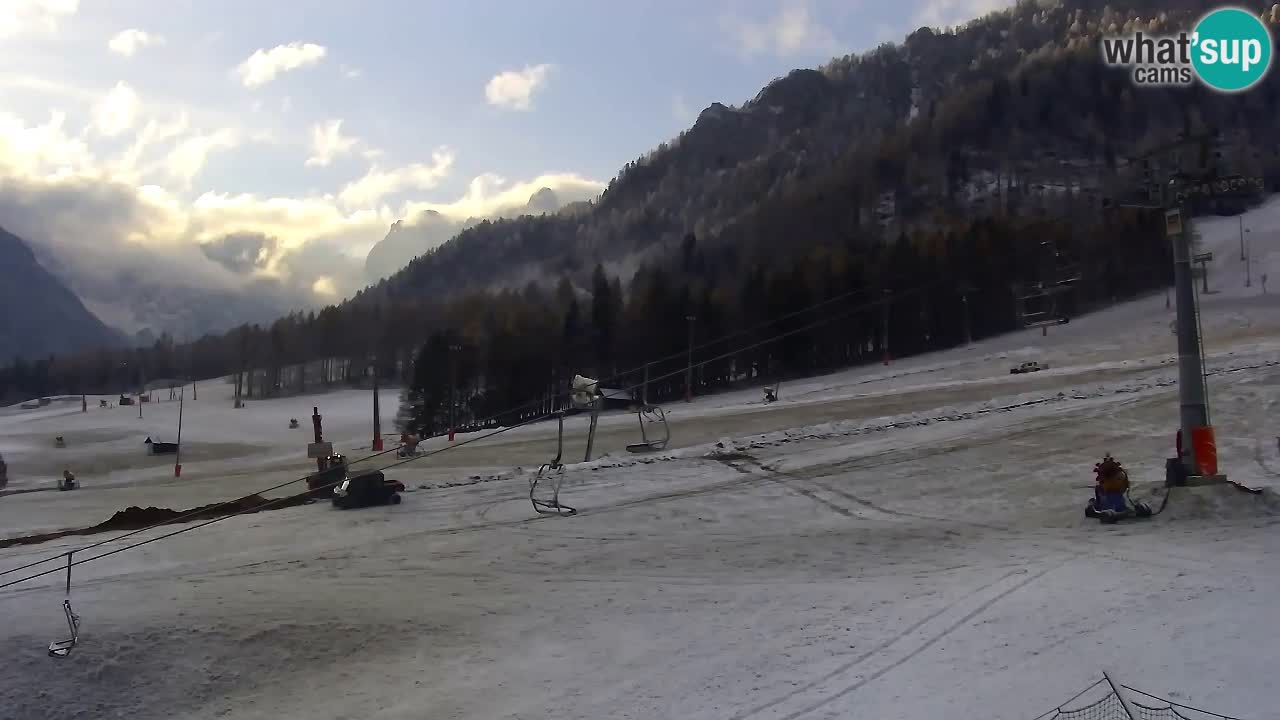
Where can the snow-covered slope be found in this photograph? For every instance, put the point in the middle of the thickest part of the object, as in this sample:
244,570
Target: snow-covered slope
890,542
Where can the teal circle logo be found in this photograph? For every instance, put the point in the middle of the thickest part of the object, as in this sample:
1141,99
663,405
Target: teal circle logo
1231,49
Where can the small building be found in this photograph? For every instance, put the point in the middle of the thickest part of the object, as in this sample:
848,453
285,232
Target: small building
159,447
615,399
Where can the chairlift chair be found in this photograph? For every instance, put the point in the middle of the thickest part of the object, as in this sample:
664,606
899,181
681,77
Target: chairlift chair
62,648
651,414
550,476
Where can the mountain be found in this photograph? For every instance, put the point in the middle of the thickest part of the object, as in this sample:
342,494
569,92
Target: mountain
39,316
932,177
412,237
1009,112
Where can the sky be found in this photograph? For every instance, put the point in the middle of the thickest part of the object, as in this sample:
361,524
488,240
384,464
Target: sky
234,140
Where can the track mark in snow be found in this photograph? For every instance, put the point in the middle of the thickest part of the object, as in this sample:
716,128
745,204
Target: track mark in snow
803,492
905,634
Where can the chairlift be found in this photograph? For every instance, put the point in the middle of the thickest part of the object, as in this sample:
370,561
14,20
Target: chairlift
62,648
550,477
651,414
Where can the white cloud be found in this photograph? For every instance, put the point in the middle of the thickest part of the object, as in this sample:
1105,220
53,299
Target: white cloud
681,111
129,42
128,165
378,183
491,195
17,16
40,151
116,112
123,177
264,65
514,89
789,33
328,142
324,287
950,13
350,72
188,158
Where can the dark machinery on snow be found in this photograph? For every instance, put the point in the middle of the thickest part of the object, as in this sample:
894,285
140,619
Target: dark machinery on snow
334,471
367,489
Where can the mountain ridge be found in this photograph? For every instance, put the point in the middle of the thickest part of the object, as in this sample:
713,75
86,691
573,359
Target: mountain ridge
43,316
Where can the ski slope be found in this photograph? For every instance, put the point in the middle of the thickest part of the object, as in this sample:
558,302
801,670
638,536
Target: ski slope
896,542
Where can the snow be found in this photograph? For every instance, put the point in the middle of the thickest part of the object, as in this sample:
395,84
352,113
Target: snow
897,542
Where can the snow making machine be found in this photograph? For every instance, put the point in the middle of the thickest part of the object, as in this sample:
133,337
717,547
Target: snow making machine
1111,501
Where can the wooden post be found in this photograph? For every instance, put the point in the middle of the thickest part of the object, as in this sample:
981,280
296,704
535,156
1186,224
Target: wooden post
319,434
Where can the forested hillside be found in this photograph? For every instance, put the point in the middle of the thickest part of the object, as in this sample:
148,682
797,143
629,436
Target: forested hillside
42,316
939,173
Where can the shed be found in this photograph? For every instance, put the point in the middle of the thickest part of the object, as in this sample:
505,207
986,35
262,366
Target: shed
616,398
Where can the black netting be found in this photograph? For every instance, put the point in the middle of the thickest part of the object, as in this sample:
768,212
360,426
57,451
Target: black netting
1151,713
1109,707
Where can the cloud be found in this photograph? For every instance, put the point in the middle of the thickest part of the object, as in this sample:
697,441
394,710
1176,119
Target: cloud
377,183
188,158
349,72
241,253
45,150
491,195
681,111
328,142
120,219
514,89
950,13
18,16
116,112
129,165
429,225
264,65
325,287
789,33
129,42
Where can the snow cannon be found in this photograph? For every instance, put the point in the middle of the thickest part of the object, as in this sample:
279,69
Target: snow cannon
1111,501
584,391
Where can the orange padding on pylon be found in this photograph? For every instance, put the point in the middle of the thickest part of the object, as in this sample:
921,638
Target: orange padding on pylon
1206,449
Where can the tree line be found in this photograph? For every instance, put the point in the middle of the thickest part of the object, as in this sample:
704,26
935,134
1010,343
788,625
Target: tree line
947,164
490,352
